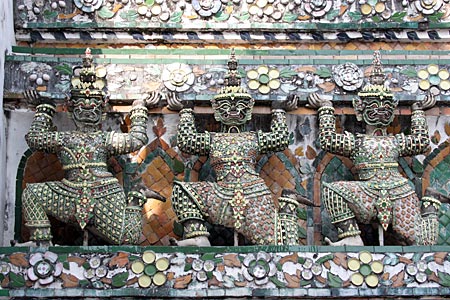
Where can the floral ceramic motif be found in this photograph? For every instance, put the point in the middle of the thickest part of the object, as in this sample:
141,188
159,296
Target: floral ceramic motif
178,77
375,7
44,267
263,79
366,269
203,268
88,6
206,8
434,79
150,269
318,8
428,7
348,76
259,267
418,270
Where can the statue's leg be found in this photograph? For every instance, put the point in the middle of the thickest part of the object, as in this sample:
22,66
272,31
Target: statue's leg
111,218
342,217
191,217
406,218
260,223
428,231
288,219
35,215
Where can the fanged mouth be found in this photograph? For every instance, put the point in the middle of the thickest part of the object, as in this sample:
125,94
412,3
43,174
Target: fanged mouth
379,114
234,115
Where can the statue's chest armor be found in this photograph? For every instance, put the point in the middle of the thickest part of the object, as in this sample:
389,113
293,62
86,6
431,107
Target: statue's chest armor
234,153
80,147
232,145
375,149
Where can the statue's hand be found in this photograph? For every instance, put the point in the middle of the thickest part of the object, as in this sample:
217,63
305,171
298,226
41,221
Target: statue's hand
34,98
428,102
138,103
152,99
174,103
316,101
289,104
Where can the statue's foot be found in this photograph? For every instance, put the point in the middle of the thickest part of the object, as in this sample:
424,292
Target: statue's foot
350,241
15,243
200,241
430,192
44,244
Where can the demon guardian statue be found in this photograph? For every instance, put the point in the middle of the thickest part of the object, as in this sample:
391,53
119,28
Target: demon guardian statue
89,195
382,192
239,199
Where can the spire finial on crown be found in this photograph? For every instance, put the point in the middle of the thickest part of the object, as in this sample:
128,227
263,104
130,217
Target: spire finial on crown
85,83
377,87
232,78
377,74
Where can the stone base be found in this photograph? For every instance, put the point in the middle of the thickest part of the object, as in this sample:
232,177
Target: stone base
306,272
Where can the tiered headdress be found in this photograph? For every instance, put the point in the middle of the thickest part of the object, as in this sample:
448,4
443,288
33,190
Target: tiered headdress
85,84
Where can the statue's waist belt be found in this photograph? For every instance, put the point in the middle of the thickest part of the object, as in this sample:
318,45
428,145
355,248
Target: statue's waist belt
232,159
376,165
89,184
84,165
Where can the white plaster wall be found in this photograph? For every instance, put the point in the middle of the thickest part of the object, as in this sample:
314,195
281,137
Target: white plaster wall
7,40
17,125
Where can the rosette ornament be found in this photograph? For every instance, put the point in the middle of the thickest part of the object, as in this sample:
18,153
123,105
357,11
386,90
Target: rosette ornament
206,8
429,7
318,8
88,5
348,76
44,267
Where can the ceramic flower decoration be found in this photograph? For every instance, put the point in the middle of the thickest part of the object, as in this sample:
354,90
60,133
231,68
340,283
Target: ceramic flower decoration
259,267
318,8
203,268
178,77
428,7
418,270
150,269
264,79
348,76
88,5
434,79
206,8
44,267
366,269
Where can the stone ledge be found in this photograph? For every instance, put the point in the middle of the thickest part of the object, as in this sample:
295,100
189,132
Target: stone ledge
317,272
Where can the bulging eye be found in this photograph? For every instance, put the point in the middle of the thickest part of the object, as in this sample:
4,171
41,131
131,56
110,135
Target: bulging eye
224,106
241,105
78,102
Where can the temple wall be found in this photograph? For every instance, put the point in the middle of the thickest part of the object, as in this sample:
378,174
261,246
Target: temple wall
7,33
283,48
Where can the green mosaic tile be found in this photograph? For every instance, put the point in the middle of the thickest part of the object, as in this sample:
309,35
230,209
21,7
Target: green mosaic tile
417,249
359,248
387,249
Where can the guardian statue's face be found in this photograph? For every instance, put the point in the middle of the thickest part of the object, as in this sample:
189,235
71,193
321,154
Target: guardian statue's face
233,111
378,113
86,111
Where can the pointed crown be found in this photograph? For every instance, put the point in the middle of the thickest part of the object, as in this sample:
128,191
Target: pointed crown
85,83
232,88
376,88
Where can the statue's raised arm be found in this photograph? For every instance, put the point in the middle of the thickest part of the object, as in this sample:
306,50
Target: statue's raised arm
419,140
188,139
42,136
330,140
